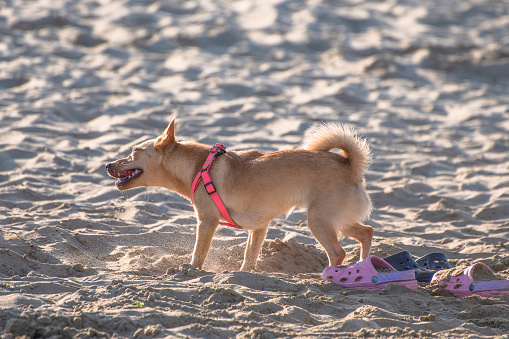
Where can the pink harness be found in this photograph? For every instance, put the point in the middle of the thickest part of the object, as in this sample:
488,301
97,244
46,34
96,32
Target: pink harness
214,152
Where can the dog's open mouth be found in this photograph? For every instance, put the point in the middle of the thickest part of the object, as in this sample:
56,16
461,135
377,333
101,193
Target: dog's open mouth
126,176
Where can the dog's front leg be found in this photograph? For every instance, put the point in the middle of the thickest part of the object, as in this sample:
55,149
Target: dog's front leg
204,234
254,243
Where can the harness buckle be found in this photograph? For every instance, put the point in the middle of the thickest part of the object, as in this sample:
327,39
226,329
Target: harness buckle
211,190
217,148
218,153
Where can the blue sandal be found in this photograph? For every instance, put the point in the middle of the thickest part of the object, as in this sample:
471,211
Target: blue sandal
403,261
434,261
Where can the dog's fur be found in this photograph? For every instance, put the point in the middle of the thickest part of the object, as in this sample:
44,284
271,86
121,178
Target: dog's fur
257,187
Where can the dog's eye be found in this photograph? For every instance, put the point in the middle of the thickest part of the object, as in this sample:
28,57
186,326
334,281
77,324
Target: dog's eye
134,151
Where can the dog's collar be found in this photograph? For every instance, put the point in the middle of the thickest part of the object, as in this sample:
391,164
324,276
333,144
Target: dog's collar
214,152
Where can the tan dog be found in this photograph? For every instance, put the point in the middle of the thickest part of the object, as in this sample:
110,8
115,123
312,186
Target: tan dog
257,187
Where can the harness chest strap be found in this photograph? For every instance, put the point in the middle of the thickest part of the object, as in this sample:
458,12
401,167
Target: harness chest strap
214,152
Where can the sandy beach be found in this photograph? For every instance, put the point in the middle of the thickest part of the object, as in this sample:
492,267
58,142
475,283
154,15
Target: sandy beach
81,82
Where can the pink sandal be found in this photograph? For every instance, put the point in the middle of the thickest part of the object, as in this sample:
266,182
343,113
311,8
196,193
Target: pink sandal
364,275
463,284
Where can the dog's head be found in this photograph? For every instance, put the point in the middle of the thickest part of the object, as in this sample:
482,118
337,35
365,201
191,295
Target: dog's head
143,166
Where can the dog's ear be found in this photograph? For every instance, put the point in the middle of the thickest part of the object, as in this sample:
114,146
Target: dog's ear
167,137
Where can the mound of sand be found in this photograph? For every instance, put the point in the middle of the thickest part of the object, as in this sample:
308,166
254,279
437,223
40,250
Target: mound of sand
81,82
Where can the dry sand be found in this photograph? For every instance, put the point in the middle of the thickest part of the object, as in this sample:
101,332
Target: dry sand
81,81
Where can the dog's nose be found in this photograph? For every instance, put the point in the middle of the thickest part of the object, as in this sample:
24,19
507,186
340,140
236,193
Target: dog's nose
108,166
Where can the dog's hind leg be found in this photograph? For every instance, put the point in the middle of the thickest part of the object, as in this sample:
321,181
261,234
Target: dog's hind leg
361,233
254,243
326,234
204,234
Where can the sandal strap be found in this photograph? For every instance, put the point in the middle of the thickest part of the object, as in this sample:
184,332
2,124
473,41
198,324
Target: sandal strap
489,285
393,276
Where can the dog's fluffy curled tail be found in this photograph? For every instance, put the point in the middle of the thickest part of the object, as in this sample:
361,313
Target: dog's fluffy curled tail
333,135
